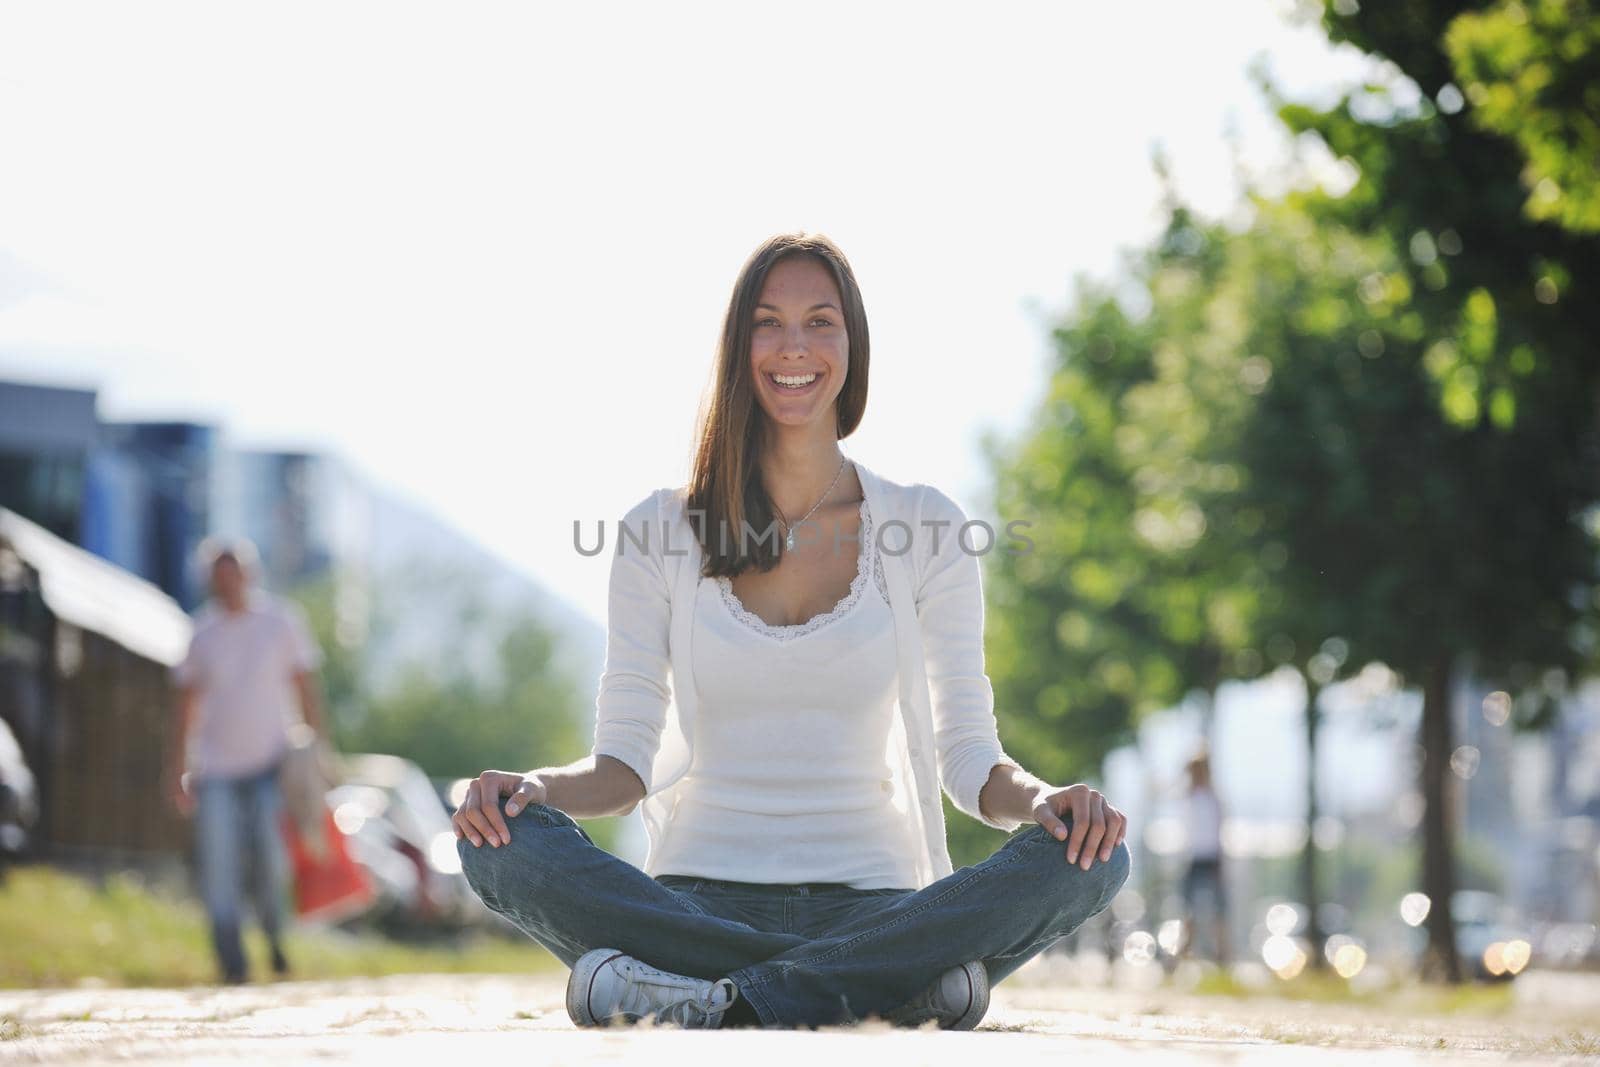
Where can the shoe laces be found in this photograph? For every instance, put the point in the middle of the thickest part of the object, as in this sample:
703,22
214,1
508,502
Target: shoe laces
673,998
928,1004
919,1008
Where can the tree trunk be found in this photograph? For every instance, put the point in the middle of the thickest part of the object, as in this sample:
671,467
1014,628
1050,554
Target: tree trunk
1308,859
1440,961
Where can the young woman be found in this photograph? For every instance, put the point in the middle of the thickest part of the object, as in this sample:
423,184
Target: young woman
794,668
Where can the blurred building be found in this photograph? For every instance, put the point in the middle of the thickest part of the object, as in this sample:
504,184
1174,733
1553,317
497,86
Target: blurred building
148,501
142,495
86,690
46,437
135,494
122,507
304,512
1533,797
310,517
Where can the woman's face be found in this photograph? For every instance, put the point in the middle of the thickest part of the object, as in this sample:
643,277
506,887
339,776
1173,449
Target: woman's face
798,337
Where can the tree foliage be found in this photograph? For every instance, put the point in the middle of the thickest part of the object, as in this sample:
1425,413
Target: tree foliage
1363,426
498,697
1531,72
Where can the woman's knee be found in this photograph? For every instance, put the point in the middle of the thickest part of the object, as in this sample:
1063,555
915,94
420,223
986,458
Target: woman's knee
538,836
1117,868
1105,877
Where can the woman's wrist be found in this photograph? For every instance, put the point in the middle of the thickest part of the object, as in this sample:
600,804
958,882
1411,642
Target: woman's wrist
536,788
1011,793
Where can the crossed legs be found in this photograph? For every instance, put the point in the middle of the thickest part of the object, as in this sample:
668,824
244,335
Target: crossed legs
571,896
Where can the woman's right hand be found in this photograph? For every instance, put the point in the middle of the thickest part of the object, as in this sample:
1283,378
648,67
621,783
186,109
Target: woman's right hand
478,819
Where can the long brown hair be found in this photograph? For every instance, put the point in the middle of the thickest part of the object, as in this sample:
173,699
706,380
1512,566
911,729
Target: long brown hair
725,487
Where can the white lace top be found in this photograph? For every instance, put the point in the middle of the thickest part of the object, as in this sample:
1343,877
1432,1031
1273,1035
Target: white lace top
867,561
790,781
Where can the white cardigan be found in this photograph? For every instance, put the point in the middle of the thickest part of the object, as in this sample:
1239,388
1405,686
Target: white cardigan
944,734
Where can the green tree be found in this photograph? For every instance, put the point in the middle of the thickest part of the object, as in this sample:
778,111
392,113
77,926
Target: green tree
342,640
499,697
1480,555
1378,409
456,723
1531,72
1138,588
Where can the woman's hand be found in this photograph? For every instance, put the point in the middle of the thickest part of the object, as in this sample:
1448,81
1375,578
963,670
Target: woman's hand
478,818
1096,825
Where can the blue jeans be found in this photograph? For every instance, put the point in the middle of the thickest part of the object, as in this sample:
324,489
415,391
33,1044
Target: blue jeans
804,954
1203,878
239,845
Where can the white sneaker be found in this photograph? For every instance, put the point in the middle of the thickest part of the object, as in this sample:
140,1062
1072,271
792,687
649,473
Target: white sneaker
958,1000
607,985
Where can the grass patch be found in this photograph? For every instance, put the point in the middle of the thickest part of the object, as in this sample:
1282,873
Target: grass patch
1574,1043
59,929
1007,1028
1283,1035
1404,995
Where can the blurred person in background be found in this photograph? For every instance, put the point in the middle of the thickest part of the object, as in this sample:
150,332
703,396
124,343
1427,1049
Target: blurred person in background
1202,881
247,679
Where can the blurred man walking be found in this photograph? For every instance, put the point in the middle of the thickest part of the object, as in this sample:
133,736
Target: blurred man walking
246,680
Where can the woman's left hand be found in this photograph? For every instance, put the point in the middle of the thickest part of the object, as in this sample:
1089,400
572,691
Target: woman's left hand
1097,827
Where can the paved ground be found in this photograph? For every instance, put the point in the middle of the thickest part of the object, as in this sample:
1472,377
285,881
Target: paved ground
461,1020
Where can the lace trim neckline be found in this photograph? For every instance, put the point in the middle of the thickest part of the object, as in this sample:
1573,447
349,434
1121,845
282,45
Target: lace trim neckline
866,565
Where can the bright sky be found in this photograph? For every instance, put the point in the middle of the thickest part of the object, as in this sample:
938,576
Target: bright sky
482,251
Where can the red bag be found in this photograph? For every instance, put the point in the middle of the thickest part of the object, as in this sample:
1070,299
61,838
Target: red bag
328,884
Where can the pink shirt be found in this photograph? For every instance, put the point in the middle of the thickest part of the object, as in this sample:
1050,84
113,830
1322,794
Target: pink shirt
243,667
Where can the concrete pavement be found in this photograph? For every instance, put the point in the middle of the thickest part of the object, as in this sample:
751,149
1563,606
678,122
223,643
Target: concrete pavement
460,1019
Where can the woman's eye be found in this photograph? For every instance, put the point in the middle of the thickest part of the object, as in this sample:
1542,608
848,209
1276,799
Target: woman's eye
824,322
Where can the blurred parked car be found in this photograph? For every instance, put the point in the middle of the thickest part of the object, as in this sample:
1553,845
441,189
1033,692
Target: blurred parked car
1492,944
19,800
399,831
1568,945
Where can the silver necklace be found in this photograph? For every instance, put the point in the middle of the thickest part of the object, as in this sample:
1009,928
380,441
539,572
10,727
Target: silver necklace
788,530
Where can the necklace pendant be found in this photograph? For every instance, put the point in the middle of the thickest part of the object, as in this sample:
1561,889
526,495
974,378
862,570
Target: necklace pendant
788,541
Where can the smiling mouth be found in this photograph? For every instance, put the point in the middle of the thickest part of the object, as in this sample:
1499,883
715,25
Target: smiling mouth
794,383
